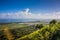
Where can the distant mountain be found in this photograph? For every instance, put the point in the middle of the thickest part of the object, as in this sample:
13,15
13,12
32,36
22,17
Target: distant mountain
25,20
16,20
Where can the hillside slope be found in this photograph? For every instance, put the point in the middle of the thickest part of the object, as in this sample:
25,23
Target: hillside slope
48,32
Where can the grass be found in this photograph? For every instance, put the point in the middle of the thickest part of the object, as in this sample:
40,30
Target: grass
17,30
26,32
46,33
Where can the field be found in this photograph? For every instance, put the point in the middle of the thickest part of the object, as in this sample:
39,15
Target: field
32,31
16,29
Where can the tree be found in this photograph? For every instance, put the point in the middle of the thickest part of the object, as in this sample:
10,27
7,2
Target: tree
39,26
53,22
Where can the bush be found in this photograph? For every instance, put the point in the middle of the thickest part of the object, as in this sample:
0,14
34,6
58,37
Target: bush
53,22
39,26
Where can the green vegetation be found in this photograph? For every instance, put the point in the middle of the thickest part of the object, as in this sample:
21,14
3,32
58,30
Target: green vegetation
15,30
53,22
45,33
39,26
49,31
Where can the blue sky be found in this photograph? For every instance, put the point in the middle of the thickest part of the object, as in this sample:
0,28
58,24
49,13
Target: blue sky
29,9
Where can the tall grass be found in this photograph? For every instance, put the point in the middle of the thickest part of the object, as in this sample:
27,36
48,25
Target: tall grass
48,32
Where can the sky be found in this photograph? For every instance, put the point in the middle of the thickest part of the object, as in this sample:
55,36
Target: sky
29,9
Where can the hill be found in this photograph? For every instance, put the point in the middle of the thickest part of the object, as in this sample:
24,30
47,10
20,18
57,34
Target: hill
48,32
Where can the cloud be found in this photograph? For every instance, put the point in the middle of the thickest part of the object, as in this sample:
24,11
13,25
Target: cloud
27,15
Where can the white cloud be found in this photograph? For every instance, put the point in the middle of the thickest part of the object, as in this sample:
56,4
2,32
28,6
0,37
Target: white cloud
27,15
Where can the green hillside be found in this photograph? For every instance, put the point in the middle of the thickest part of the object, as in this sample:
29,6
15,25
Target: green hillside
17,31
48,32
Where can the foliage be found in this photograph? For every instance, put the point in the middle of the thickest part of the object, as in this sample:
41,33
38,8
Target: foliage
53,22
15,32
44,32
39,26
